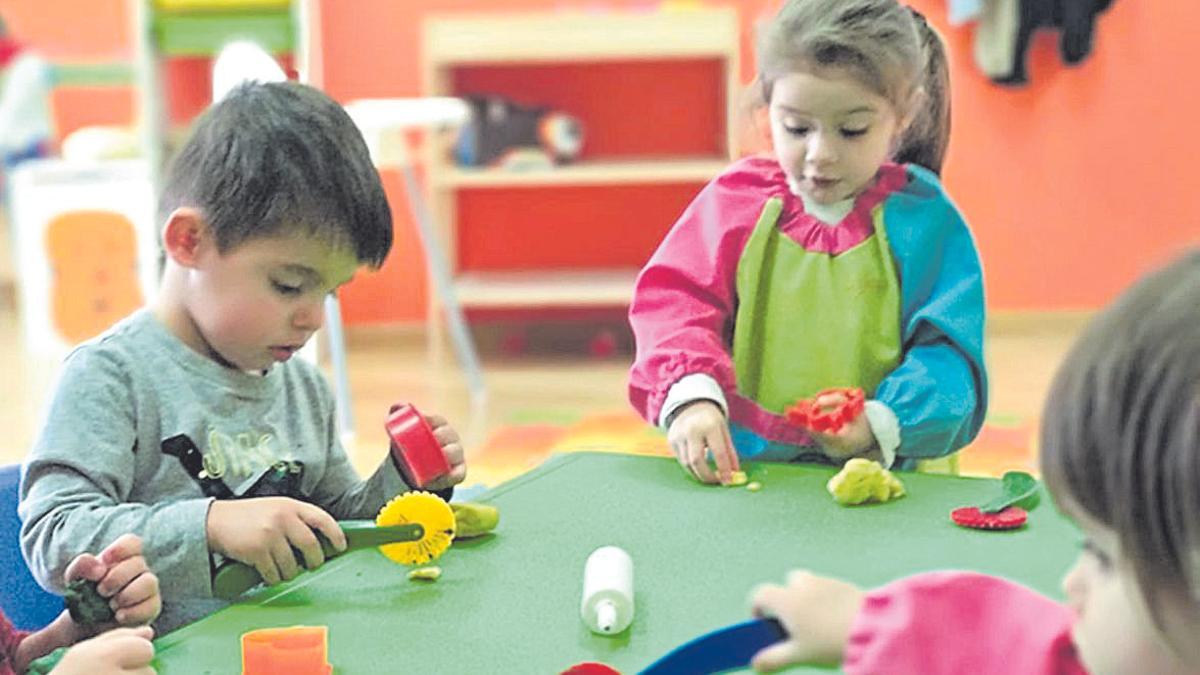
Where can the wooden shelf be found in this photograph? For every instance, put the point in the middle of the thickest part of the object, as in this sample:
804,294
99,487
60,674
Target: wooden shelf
608,68
588,173
580,36
99,74
220,5
546,288
204,33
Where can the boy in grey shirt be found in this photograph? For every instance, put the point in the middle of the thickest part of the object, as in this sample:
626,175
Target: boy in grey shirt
166,425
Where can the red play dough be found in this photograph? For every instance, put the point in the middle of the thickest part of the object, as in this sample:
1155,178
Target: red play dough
827,419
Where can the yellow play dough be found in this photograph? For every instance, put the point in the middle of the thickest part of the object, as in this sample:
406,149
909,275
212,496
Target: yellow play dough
861,481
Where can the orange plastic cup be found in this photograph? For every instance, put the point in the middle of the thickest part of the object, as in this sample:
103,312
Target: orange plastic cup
298,650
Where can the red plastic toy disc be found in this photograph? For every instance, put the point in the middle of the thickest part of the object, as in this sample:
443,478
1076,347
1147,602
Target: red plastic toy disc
970,516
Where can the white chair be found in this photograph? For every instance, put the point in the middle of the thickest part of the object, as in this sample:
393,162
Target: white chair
385,125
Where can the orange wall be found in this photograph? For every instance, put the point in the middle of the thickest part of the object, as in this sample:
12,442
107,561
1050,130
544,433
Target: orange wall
63,30
95,30
1078,183
1073,185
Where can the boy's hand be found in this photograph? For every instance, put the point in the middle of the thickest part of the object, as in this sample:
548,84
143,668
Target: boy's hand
697,430
452,448
127,651
263,533
817,613
122,576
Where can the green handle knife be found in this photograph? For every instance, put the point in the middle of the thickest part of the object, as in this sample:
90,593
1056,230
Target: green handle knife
232,578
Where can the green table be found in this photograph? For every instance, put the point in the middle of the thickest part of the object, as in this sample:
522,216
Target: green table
510,603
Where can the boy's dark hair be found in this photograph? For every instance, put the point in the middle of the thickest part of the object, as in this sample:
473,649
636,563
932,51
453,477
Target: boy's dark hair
925,140
281,157
1121,429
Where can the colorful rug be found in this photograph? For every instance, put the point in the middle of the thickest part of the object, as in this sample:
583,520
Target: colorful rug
1005,443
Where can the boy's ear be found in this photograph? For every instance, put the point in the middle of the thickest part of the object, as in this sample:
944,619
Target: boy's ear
185,236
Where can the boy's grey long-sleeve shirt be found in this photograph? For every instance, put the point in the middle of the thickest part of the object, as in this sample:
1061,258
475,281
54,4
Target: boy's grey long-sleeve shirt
98,469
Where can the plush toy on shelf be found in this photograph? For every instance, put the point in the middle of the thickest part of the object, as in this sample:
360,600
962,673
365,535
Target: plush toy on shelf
506,134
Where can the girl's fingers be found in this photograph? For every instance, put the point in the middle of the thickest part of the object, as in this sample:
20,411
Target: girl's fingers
722,453
698,461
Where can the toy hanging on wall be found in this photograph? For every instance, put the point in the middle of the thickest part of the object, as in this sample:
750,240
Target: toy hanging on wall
1006,29
504,133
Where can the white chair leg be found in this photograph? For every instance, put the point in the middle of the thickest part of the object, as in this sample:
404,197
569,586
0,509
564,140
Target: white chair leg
341,377
439,273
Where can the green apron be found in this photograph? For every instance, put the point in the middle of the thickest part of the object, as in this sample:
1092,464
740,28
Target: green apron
807,321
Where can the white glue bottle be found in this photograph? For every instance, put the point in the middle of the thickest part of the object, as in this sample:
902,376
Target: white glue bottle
607,606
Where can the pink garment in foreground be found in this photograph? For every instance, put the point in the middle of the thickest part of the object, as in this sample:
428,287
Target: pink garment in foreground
960,622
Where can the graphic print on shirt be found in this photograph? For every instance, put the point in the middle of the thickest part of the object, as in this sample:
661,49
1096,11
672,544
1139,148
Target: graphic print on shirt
235,457
238,465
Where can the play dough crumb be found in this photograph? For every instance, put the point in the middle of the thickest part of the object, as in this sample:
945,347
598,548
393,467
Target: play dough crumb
737,478
754,486
426,573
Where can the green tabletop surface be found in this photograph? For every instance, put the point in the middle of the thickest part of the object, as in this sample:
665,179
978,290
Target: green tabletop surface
509,602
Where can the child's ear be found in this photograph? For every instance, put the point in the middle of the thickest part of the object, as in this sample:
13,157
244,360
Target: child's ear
906,117
185,236
916,107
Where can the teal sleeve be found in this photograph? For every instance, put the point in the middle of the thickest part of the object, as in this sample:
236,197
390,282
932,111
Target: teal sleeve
939,390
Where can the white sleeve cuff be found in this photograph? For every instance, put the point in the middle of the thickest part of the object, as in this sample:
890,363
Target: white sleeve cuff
886,427
690,388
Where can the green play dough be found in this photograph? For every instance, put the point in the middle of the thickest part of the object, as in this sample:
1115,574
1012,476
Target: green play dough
86,605
44,665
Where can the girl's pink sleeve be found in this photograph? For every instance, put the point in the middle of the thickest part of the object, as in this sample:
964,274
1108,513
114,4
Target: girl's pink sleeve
10,637
684,299
960,622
